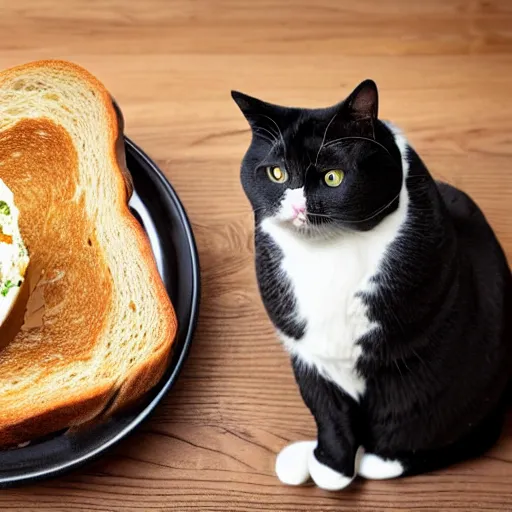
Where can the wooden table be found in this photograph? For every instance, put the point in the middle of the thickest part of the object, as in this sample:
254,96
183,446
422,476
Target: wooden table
444,68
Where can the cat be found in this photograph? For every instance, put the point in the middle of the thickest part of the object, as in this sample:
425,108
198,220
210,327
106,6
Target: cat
389,290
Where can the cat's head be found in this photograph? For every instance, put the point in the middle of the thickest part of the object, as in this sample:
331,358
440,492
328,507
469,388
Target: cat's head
317,170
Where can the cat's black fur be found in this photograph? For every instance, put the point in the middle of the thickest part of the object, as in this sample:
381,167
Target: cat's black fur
438,369
279,299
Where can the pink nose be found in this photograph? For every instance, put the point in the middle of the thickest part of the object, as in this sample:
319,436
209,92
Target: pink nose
298,209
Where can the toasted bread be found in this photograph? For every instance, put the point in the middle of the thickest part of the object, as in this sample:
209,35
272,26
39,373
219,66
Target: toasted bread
99,325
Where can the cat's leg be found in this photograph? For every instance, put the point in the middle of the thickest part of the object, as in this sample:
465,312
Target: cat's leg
331,460
473,444
334,461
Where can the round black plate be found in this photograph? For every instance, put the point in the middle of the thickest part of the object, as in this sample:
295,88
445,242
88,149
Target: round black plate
157,207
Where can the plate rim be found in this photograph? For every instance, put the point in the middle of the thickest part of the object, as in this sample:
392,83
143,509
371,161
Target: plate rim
65,467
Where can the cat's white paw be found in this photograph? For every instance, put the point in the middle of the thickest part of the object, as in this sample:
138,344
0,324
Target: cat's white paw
374,467
292,462
325,477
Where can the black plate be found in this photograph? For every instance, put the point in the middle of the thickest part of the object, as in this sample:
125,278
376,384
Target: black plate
159,210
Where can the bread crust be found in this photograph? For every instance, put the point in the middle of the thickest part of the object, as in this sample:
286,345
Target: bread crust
36,421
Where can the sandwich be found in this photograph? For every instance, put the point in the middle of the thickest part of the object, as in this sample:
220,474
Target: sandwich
98,327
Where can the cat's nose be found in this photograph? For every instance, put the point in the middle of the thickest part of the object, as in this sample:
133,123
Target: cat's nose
298,209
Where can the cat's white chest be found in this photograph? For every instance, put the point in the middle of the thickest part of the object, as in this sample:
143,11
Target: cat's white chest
327,278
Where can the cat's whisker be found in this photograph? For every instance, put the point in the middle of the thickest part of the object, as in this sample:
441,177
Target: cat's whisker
273,145
265,138
398,368
420,359
357,221
273,136
280,134
379,211
405,364
341,139
320,215
307,169
324,137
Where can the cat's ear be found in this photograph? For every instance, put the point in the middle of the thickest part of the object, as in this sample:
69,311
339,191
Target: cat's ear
363,102
254,110
246,103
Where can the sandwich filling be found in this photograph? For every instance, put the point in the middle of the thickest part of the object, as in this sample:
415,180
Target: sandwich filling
13,253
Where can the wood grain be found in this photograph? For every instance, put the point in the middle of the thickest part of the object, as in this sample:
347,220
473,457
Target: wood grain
444,68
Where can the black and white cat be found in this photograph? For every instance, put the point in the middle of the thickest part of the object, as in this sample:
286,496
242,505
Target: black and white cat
389,290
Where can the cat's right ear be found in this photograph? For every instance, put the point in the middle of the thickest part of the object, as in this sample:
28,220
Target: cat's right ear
252,108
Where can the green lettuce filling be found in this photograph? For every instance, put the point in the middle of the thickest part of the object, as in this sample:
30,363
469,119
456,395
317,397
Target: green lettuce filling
4,208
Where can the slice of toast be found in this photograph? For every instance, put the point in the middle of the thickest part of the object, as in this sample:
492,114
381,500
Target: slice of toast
99,325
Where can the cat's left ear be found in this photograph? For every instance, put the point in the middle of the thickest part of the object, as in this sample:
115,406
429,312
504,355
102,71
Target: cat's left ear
363,103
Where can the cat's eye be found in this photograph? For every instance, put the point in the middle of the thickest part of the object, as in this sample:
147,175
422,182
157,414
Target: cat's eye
277,174
334,178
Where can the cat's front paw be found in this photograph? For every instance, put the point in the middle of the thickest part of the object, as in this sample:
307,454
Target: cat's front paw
297,463
292,462
326,477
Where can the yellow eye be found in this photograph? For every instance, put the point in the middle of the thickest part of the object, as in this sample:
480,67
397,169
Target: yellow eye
334,178
277,175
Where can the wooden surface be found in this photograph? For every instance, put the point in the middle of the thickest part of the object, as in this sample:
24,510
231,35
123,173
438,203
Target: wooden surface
444,68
